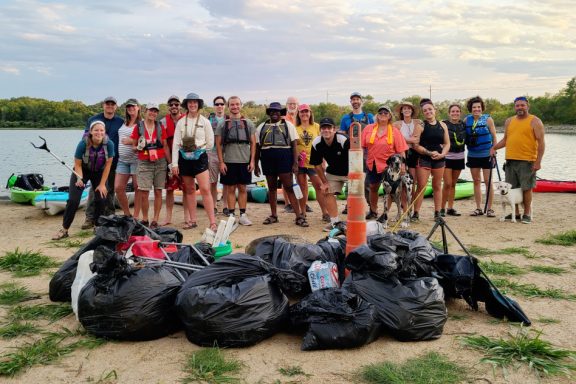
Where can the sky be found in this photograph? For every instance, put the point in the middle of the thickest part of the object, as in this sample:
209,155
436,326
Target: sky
265,50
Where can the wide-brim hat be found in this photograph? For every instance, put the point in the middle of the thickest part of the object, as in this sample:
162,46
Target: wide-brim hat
275,106
398,109
192,96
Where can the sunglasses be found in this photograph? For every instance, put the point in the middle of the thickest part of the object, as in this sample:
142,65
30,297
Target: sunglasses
174,104
383,113
218,104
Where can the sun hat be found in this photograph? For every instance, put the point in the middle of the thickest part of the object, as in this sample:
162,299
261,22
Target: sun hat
355,94
192,96
275,106
152,106
110,98
304,107
132,102
398,109
326,121
173,97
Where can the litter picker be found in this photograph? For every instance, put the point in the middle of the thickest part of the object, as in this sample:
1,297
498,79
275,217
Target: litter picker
45,147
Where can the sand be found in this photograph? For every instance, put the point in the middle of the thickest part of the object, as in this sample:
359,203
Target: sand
161,361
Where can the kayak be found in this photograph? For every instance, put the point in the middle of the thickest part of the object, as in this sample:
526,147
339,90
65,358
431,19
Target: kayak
23,196
54,202
259,194
344,196
464,189
556,186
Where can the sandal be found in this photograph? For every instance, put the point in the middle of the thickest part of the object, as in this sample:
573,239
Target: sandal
301,222
154,225
452,212
144,223
490,213
270,220
62,234
190,225
477,212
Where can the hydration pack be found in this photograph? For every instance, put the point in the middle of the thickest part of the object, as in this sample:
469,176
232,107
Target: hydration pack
95,158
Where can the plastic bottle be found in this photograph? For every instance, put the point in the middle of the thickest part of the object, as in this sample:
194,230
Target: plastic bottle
297,190
54,187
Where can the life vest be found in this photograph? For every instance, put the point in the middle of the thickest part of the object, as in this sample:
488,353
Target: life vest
95,158
275,135
478,136
233,133
457,134
158,143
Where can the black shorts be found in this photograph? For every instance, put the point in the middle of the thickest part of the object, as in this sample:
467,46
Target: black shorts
455,164
236,173
411,158
276,161
427,163
480,162
192,167
373,177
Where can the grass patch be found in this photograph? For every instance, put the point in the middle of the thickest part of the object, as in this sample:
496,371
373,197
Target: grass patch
84,234
457,317
210,365
547,269
515,251
11,294
67,243
566,239
548,320
25,263
479,251
41,352
531,290
105,377
524,347
50,312
293,370
505,268
14,330
430,368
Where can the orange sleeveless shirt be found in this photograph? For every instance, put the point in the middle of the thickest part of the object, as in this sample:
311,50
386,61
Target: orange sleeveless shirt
520,141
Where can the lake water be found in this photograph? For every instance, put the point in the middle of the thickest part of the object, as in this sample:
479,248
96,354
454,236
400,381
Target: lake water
20,157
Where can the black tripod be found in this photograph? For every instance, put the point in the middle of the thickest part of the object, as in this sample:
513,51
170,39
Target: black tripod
440,222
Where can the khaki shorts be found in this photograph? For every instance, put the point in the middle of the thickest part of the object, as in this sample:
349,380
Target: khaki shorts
519,173
336,182
213,166
151,174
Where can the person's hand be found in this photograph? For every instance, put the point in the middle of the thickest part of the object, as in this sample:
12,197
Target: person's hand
126,141
102,189
175,171
79,183
223,168
402,169
251,166
434,155
492,152
257,171
536,166
295,168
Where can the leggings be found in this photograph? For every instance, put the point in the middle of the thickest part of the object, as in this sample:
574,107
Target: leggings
75,194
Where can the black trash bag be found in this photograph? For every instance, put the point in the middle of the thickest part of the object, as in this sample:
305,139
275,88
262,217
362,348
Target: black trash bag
251,247
169,235
187,255
129,303
207,250
109,262
335,319
60,288
409,309
379,264
235,302
415,253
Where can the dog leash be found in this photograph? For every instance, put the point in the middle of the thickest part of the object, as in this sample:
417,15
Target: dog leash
408,210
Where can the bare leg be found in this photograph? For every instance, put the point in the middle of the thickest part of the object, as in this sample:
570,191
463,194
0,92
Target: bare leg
373,197
452,191
272,194
286,179
437,187
169,206
190,196
476,178
489,188
242,196
137,202
157,204
145,205
231,197
319,196
527,199
422,174
120,182
204,185
447,185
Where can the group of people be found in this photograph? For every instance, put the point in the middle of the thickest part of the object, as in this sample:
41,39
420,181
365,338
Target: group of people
188,151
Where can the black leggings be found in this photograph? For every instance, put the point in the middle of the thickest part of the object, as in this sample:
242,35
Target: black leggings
75,194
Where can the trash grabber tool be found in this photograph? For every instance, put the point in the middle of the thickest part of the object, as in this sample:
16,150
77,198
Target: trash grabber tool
45,147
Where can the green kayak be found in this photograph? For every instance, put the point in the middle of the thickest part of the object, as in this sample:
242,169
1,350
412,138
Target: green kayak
22,196
464,189
260,194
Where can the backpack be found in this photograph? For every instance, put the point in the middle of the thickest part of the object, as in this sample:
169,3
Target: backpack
29,181
364,121
228,127
158,143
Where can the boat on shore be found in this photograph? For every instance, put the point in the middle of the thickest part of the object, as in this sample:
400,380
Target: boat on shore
54,202
555,186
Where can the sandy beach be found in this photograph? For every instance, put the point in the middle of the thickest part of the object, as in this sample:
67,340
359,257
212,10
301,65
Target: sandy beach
161,361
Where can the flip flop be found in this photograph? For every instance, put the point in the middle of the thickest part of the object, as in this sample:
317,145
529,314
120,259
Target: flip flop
190,225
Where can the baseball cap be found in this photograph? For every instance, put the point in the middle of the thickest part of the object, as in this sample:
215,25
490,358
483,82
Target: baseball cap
356,94
384,107
304,107
132,102
110,98
173,97
152,106
327,121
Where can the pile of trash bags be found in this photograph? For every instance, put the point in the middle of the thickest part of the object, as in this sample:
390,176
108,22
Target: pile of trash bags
397,284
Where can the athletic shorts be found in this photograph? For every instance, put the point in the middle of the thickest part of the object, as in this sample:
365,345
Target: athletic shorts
236,173
455,164
213,166
426,162
192,167
480,162
336,182
373,176
151,174
307,171
276,161
519,173
123,168
412,158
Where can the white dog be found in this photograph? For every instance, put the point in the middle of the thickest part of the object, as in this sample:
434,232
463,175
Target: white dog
508,197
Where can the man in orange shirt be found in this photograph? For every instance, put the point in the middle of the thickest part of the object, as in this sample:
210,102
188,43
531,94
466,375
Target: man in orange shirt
524,142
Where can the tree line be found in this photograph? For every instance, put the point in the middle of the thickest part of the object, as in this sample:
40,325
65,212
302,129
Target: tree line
28,112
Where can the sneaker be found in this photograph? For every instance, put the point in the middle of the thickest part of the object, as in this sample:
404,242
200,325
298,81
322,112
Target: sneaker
308,209
87,224
328,227
526,219
509,217
288,209
345,211
371,215
443,212
437,214
383,218
225,212
326,218
244,220
452,212
415,217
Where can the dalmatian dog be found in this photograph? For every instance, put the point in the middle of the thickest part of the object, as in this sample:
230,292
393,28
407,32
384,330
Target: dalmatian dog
508,197
395,185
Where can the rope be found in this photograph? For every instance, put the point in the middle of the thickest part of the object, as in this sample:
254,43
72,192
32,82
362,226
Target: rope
408,210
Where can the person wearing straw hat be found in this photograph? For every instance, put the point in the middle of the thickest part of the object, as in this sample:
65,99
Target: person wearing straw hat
407,112
192,138
380,140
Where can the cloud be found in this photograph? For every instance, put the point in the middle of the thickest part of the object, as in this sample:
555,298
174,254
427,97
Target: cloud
9,69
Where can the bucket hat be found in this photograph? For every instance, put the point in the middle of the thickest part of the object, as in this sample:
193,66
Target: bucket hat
398,109
275,106
192,96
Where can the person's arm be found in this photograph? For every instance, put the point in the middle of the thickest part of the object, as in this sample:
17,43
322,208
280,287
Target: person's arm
209,134
78,170
175,147
417,147
538,129
257,151
102,186
492,129
501,143
445,145
252,163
